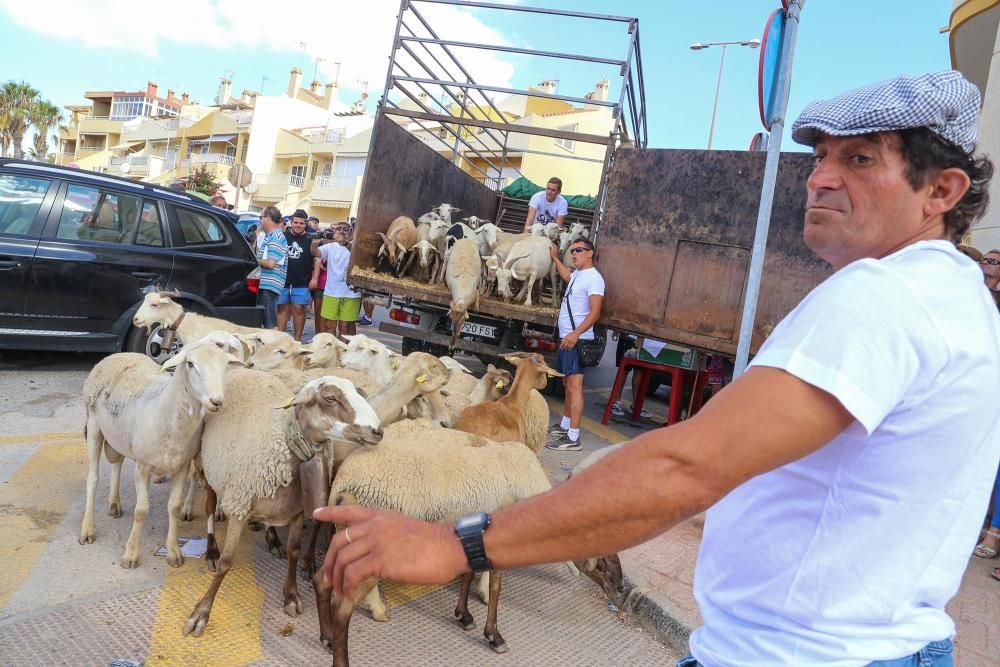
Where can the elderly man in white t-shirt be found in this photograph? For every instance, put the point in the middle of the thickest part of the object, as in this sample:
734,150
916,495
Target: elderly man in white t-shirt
547,205
847,472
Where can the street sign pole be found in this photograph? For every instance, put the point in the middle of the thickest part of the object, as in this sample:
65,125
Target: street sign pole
777,121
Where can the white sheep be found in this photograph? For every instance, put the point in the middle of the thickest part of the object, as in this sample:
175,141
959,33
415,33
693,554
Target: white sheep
137,410
159,309
445,211
433,474
250,454
575,232
370,356
464,271
530,260
425,256
325,350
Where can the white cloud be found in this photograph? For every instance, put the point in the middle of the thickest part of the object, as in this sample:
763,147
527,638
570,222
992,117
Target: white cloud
355,33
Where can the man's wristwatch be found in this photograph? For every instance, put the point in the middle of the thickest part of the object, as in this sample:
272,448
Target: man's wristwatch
470,529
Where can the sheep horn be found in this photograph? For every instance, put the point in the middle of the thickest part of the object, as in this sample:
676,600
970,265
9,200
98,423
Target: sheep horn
173,292
511,262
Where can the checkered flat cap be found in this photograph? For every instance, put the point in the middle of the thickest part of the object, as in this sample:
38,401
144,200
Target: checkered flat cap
943,102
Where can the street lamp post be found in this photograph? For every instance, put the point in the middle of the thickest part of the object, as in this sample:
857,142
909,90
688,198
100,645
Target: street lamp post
698,46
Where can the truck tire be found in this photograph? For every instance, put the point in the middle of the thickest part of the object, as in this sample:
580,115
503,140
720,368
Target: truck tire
411,345
149,344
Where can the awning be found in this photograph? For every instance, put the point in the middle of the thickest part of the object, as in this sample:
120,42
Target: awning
212,139
330,203
127,145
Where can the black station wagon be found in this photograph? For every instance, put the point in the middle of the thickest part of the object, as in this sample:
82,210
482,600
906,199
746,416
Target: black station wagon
79,251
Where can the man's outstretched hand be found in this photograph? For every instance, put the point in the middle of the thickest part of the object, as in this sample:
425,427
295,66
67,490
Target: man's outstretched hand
388,545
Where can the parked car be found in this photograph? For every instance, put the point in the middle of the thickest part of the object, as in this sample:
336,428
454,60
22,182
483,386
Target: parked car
247,223
79,251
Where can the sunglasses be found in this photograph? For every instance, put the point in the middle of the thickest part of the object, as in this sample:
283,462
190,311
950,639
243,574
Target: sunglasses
991,261
342,229
573,251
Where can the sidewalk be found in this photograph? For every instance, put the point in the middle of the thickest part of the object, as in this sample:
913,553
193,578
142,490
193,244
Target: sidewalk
660,573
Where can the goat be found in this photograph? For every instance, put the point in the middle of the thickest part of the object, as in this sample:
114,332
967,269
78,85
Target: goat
529,260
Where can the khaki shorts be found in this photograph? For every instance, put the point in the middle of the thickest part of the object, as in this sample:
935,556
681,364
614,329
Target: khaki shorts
340,308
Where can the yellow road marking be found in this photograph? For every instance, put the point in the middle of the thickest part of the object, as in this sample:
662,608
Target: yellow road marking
32,505
597,428
232,636
396,595
39,437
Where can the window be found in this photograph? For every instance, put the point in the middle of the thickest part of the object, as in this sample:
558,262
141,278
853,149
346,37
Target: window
315,168
198,228
231,151
568,144
20,199
126,107
91,214
298,175
150,230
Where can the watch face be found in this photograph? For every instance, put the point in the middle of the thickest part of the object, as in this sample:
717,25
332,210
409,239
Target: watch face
472,521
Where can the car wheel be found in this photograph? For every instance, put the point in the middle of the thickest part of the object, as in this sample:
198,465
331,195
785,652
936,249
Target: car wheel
150,344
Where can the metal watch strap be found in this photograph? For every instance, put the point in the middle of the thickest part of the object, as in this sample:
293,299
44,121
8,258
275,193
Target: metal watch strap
474,547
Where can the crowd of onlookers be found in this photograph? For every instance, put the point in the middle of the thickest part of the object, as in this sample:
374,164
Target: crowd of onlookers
989,547
303,266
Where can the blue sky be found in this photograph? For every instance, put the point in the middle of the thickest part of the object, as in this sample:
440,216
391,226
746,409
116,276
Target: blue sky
64,50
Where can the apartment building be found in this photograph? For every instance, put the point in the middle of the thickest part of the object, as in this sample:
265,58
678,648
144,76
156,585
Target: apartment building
292,143
975,52
537,158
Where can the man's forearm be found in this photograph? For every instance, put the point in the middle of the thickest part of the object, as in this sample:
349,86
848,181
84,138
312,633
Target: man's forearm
650,487
562,271
589,321
267,263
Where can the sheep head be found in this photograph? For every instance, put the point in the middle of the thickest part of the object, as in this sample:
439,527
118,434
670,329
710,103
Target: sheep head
532,363
425,251
202,367
575,232
330,408
498,381
326,350
445,211
438,230
429,217
228,342
454,367
488,233
277,352
505,276
424,371
368,356
157,308
430,406
606,572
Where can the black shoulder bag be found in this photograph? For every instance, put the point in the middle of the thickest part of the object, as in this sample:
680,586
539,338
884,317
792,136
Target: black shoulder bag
590,350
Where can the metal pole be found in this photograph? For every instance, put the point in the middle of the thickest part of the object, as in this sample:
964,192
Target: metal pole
767,190
715,106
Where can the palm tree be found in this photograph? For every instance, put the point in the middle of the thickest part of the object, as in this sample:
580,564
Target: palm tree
17,100
44,116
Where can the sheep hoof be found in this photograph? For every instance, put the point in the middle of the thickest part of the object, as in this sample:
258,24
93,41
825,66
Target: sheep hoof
129,563
327,642
187,515
114,511
465,620
498,645
256,526
87,537
175,561
159,479
196,623
212,562
382,615
293,606
220,516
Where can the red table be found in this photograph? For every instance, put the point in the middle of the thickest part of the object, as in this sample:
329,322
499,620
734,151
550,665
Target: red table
645,369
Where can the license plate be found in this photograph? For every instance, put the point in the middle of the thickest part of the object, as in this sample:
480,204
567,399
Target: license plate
474,329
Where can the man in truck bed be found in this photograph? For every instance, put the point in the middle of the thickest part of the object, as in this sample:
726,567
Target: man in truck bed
547,205
848,470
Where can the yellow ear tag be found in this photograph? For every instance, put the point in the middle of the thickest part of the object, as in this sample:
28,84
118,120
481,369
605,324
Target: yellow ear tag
499,384
421,378
288,403
395,364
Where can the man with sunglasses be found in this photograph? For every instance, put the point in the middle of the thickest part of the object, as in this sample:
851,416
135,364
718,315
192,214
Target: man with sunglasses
580,309
845,474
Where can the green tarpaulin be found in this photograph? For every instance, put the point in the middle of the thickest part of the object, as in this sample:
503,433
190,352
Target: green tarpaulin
522,188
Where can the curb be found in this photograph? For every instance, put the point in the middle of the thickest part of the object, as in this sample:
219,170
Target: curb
655,612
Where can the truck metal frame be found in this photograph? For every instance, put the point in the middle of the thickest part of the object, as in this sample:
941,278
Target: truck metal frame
403,176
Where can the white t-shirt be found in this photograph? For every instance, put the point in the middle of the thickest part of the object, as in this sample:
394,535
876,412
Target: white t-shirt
548,211
337,259
850,554
582,285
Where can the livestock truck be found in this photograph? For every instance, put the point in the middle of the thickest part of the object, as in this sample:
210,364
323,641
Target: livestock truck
672,228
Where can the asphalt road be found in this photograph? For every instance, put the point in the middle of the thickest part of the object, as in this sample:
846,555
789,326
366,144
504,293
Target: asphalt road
62,603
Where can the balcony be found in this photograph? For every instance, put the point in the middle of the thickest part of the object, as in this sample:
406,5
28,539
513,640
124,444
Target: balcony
335,188
277,186
100,125
212,158
242,118
138,166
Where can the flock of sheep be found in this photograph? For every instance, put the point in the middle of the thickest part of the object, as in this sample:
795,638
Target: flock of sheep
241,409
475,258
